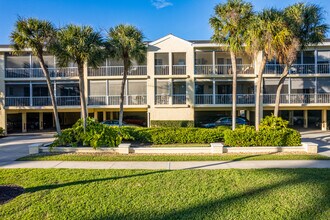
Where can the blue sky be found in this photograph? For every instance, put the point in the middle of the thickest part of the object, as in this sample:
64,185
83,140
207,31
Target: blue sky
187,19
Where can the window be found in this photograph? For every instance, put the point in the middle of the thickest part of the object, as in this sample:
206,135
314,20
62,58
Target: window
97,87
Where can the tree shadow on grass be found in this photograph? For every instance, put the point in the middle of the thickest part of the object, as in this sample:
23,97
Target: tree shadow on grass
81,182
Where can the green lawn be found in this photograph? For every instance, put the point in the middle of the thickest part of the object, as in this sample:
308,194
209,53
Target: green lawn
155,157
184,194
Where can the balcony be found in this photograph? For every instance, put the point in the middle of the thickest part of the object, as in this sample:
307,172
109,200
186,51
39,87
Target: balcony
42,101
223,69
37,72
117,71
223,99
298,69
115,100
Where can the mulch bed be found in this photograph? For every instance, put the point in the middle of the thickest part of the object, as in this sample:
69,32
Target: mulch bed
8,192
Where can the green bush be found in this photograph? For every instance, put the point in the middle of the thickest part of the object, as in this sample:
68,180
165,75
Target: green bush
2,131
168,123
273,132
175,135
96,135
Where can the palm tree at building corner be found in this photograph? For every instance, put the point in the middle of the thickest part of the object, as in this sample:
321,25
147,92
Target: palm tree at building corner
125,42
229,24
83,46
306,24
37,35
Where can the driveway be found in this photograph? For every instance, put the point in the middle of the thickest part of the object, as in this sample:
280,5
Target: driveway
16,145
322,138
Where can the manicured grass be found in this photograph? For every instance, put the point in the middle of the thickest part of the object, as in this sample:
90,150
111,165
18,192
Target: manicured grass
184,194
168,157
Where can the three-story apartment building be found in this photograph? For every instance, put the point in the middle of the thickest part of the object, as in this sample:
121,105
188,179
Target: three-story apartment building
181,81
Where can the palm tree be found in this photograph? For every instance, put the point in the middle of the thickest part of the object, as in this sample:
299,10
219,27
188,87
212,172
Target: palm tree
306,24
125,42
84,46
37,35
229,24
266,32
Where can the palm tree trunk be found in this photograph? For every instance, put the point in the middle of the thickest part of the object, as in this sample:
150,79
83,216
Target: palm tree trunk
234,95
258,93
279,88
51,93
122,92
82,95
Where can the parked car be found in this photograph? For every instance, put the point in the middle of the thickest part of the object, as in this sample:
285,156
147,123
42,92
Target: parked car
226,121
136,120
116,123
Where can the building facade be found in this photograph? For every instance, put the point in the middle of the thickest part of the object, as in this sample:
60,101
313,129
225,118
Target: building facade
185,81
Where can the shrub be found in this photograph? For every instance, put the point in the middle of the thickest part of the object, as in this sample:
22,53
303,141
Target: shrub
2,131
169,123
273,132
175,135
96,135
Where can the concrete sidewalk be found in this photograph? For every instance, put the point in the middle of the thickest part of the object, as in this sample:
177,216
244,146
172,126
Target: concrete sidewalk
174,165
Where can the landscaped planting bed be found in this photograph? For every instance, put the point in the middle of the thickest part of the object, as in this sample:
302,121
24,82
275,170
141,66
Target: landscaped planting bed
273,132
184,194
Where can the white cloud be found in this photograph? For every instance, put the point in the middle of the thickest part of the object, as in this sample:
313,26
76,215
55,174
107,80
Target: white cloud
161,3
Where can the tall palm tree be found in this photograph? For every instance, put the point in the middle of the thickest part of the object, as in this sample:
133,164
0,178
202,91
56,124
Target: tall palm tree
125,42
84,46
229,24
266,32
37,35
306,24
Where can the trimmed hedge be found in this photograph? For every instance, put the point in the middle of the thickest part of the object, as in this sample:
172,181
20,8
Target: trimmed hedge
174,135
273,132
96,135
168,123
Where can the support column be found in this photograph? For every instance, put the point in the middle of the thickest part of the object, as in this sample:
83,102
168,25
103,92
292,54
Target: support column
170,63
95,115
24,123
247,115
104,115
324,120
291,117
213,62
213,92
41,121
111,115
305,118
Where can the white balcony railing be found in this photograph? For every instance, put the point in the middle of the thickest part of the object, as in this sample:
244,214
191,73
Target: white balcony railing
117,71
162,70
180,99
162,99
298,69
204,69
137,99
223,69
179,70
298,98
17,101
203,99
37,72
115,100
42,101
